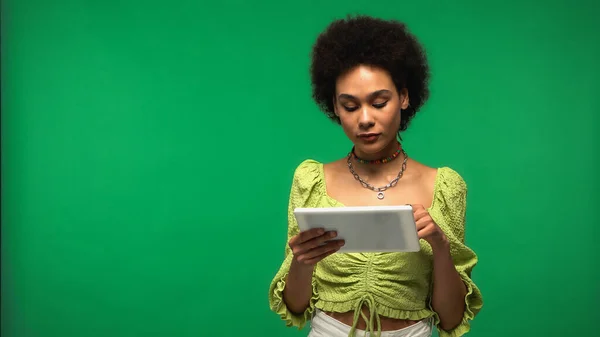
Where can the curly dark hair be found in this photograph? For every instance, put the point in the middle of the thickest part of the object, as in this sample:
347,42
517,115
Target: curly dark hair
356,40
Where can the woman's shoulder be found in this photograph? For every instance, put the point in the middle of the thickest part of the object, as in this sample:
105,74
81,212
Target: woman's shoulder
311,168
443,181
308,173
450,181
450,194
308,183
308,167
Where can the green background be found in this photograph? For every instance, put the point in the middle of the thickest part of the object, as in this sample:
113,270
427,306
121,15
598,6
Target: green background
148,149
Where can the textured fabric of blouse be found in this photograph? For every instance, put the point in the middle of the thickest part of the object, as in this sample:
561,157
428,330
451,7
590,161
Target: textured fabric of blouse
396,285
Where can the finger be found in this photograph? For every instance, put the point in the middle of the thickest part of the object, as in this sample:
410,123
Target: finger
424,221
299,248
320,257
310,234
417,207
329,246
425,232
305,236
423,216
315,242
418,215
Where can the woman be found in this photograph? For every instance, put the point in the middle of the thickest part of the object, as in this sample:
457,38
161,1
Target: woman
370,76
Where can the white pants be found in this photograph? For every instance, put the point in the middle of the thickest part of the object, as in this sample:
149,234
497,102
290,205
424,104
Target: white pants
323,325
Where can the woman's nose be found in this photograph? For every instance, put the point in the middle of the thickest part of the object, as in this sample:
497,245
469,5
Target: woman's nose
366,119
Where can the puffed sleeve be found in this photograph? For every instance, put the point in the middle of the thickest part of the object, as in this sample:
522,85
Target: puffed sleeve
306,177
448,212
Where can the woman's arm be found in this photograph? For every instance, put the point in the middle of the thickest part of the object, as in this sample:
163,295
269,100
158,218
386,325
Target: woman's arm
298,287
455,298
308,248
449,291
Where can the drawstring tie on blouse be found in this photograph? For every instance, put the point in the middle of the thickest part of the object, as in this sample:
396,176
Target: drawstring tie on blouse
369,300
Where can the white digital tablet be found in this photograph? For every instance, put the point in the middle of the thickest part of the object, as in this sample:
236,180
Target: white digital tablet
365,228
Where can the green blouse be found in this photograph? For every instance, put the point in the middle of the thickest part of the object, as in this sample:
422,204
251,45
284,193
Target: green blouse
396,285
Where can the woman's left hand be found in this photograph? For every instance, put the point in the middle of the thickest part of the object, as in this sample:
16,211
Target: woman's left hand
427,229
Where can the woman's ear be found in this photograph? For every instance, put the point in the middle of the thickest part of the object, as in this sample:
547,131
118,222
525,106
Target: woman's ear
404,99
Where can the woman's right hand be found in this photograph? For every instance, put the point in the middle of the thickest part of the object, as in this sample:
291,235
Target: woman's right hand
313,245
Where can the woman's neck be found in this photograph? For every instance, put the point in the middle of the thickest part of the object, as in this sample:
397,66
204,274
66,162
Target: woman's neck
383,162
385,154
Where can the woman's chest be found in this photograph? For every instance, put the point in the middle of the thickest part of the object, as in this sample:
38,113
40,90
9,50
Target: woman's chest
378,266
352,192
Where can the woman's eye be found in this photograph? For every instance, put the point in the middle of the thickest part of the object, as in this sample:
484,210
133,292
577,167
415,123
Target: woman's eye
350,108
380,105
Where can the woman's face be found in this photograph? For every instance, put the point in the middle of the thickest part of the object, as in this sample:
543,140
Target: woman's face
368,106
